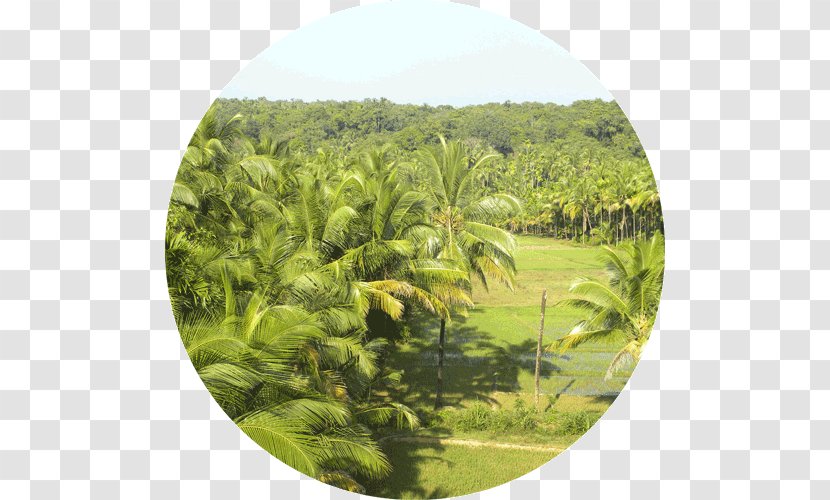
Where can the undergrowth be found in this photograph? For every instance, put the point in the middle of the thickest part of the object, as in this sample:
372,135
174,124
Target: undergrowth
521,417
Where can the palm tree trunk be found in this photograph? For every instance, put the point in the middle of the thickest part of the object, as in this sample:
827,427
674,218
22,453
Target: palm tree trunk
539,348
634,224
439,388
624,224
584,226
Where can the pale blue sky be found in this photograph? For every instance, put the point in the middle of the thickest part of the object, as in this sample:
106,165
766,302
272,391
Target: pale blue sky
417,51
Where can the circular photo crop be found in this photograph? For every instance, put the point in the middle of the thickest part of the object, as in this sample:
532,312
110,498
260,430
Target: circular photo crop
414,250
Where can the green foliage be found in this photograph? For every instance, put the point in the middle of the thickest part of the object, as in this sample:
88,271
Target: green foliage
505,127
286,357
624,309
481,417
519,418
579,169
572,423
276,260
464,217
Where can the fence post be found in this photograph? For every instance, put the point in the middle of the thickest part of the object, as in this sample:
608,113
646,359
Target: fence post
539,346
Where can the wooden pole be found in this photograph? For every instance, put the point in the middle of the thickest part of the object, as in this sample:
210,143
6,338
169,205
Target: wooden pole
539,346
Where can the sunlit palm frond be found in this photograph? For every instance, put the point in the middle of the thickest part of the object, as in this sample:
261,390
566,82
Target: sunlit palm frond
628,355
231,384
292,441
493,209
183,194
352,449
337,231
624,309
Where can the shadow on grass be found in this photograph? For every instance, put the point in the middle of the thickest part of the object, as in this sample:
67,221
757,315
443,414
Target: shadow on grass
435,470
604,399
409,460
555,397
495,366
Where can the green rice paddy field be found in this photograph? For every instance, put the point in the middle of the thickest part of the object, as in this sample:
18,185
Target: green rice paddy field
490,358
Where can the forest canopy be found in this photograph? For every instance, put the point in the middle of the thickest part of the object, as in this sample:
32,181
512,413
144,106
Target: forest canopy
505,127
579,169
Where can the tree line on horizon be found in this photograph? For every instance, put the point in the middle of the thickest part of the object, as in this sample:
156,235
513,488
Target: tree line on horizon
579,169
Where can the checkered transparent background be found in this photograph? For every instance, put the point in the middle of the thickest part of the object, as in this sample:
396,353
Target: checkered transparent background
731,99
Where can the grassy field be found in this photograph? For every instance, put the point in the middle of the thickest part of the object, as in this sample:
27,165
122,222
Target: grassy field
490,358
430,470
493,350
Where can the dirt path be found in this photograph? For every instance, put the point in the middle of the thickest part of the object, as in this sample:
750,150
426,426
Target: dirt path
470,442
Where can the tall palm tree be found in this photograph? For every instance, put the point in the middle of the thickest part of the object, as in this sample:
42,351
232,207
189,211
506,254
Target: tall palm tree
624,309
466,223
398,240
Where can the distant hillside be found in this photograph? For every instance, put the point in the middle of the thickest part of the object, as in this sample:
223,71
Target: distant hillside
506,127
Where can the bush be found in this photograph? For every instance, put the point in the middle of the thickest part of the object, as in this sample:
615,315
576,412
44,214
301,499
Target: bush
477,417
480,417
521,417
571,423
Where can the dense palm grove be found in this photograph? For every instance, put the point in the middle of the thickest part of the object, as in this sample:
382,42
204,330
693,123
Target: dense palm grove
580,169
295,253
278,263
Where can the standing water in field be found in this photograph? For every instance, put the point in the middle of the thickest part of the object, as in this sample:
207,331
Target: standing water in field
360,233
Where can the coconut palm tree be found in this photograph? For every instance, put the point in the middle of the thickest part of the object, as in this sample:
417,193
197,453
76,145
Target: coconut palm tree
623,310
397,249
466,223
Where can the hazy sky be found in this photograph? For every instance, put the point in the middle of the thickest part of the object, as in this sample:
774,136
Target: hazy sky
417,51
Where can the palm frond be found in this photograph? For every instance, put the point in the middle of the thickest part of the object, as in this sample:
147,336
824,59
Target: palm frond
578,336
352,449
377,415
626,356
289,440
